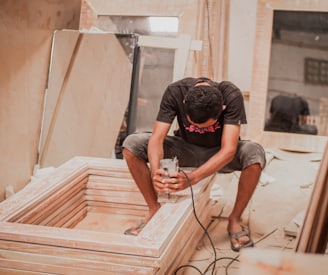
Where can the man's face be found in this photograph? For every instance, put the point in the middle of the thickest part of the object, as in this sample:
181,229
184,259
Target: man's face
207,123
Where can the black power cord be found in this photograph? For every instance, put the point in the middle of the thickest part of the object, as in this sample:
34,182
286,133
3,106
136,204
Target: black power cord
203,227
208,236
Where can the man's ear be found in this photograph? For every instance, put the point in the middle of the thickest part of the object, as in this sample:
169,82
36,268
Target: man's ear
224,107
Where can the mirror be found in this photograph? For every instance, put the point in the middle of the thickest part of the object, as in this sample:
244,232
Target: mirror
297,98
262,81
153,69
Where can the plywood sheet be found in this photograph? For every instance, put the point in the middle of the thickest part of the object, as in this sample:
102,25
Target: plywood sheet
26,29
268,262
89,88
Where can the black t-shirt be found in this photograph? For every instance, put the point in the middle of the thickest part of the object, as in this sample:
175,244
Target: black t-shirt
172,106
285,111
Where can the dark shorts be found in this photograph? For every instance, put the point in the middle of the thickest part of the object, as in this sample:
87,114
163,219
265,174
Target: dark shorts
190,155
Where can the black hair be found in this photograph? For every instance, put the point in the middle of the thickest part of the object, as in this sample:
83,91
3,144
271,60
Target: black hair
203,102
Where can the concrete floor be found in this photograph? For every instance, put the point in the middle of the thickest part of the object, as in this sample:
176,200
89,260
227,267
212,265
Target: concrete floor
281,196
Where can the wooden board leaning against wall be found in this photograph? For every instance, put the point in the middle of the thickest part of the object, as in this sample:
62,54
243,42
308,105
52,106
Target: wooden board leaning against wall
28,28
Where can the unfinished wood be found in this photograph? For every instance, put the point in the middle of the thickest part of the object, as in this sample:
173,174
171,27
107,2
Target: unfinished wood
293,142
257,101
313,237
257,261
28,28
62,210
55,200
45,194
50,264
91,97
165,242
66,43
84,255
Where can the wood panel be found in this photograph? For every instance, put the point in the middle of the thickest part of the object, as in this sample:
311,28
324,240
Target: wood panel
27,27
88,95
268,262
313,237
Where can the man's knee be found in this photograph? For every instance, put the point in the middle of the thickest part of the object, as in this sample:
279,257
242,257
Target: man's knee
126,153
136,144
252,153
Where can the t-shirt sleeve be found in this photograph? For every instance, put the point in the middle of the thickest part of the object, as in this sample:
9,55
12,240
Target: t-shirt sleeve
235,109
168,107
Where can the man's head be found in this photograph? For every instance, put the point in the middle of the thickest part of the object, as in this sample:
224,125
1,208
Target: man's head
203,103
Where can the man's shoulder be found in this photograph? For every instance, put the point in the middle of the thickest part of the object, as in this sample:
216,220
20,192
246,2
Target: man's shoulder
225,84
229,90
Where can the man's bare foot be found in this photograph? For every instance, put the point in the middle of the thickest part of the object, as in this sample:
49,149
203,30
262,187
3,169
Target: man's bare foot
135,230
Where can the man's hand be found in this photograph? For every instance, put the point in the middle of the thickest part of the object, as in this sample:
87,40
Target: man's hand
169,183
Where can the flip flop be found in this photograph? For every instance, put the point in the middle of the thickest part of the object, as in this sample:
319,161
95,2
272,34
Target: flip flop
237,236
130,231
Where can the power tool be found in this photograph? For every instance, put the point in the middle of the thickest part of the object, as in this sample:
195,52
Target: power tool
170,166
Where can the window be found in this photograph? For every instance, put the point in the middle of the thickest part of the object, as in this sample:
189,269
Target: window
316,71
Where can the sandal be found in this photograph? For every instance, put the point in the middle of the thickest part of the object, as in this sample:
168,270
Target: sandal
237,236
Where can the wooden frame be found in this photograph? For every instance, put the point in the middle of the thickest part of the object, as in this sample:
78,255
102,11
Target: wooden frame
257,102
39,226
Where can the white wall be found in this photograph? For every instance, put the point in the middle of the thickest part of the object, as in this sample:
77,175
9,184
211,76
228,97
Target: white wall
241,42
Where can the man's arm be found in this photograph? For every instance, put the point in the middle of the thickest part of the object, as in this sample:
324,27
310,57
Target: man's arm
230,137
155,144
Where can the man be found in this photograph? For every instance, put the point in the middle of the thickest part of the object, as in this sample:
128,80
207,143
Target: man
209,116
289,113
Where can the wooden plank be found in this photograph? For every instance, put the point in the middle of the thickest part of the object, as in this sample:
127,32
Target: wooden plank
190,243
162,227
48,206
36,207
49,220
26,59
77,213
62,265
132,211
74,131
258,261
167,42
41,188
109,173
96,204
79,239
110,183
84,255
115,196
10,271
185,240
313,237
